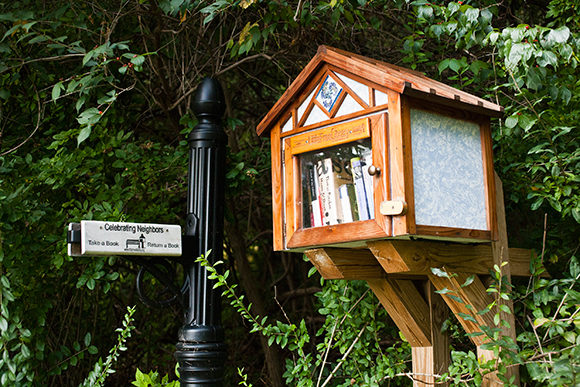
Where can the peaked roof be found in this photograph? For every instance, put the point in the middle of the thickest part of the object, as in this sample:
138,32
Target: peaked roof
402,80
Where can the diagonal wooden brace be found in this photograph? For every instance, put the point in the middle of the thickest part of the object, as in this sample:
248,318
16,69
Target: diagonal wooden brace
406,307
467,301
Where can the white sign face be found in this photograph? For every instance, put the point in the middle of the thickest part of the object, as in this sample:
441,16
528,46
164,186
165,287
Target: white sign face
122,238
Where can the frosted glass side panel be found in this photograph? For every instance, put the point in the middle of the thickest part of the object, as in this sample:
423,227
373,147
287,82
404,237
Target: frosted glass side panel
448,176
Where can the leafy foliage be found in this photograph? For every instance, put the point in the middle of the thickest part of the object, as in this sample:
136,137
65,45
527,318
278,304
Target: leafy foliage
102,369
354,327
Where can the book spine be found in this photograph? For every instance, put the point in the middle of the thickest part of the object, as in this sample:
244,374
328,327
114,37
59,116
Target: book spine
316,204
359,188
307,196
369,186
345,203
331,176
324,182
353,205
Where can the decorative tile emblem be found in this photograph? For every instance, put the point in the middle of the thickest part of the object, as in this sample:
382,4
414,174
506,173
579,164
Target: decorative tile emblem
329,93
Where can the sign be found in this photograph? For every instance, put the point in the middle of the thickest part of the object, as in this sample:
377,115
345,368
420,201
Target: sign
122,238
330,136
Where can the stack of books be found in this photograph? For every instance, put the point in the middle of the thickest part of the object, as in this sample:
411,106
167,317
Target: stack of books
337,191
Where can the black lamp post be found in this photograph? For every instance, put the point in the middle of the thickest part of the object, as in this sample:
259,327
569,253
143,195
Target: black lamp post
201,351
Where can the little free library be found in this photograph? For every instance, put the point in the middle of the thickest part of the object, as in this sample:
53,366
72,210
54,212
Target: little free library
382,174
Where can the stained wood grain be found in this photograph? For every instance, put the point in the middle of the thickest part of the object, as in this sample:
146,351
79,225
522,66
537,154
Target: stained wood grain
277,189
406,307
454,233
392,77
340,233
501,253
381,183
434,360
474,298
352,264
418,257
397,161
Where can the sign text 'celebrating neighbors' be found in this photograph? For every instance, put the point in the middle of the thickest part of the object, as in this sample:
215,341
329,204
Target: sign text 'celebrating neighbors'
122,238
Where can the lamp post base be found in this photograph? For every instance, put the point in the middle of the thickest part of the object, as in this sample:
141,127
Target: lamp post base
201,354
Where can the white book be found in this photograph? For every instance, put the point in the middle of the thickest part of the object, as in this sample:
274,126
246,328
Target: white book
331,175
345,203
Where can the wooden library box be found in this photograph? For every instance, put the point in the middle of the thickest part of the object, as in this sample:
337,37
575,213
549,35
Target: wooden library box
363,150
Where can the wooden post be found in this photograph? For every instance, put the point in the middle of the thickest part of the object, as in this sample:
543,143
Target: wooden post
501,253
433,360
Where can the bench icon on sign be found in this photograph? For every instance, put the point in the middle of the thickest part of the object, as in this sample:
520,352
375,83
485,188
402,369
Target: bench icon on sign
138,243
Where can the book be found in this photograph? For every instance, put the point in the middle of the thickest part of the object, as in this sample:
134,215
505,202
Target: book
359,188
348,203
367,161
308,194
315,204
331,175
345,203
353,205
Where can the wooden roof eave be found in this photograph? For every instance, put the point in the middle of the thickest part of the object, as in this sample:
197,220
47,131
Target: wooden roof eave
294,89
457,103
327,57
415,82
399,79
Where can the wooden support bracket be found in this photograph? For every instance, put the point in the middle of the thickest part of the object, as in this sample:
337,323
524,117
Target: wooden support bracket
474,298
406,307
353,264
417,258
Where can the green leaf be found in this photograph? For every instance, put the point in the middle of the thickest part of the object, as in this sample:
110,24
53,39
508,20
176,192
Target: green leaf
439,273
539,201
472,14
565,94
467,317
526,122
558,36
576,214
138,60
468,281
511,121
88,56
455,298
3,324
80,103
91,283
56,90
517,54
38,39
455,65
84,134
505,308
